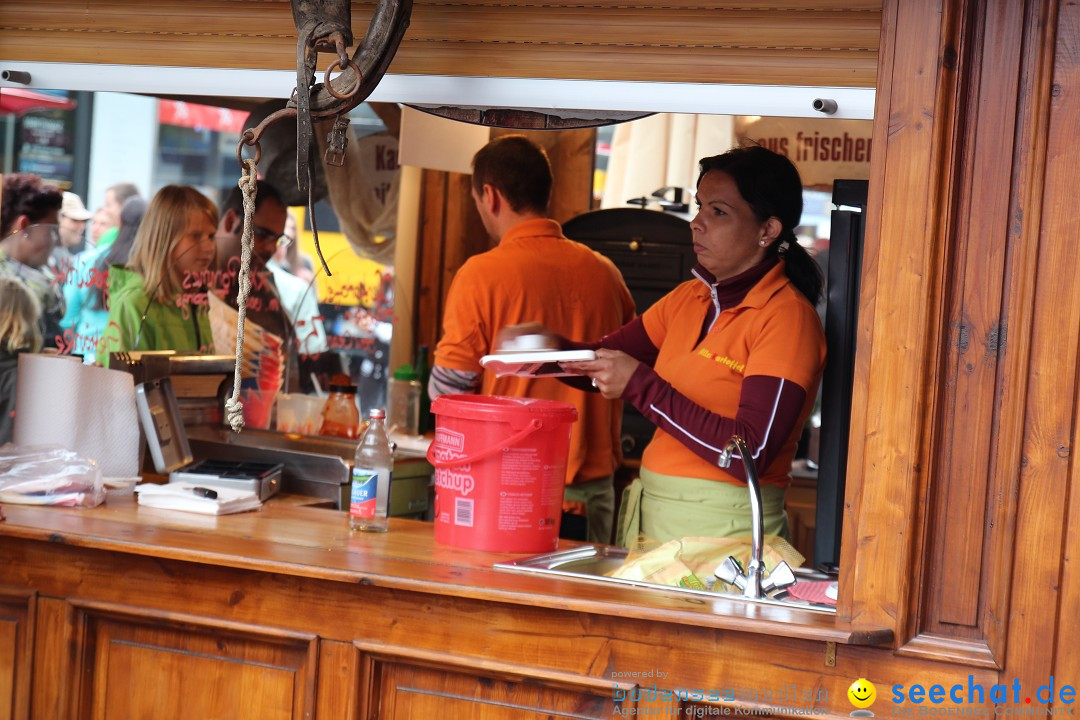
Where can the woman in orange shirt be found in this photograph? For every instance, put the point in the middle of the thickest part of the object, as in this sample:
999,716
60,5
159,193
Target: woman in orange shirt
738,350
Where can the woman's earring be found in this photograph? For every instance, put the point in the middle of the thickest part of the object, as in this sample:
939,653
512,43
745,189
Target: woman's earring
763,242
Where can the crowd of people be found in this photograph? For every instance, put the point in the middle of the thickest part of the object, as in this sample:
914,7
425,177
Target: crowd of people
142,277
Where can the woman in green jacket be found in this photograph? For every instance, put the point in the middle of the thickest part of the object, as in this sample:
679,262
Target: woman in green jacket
158,300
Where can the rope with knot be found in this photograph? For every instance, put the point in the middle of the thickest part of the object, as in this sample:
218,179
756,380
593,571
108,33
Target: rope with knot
234,408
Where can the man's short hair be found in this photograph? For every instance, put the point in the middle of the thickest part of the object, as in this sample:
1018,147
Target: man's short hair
123,191
518,168
235,201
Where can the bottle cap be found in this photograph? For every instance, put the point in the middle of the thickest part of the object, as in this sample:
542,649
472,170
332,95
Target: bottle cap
348,389
405,372
377,414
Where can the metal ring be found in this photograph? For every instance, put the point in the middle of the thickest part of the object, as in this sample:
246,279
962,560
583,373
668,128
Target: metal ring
330,87
247,139
594,383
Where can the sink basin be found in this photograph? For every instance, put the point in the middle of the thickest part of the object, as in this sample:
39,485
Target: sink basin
592,562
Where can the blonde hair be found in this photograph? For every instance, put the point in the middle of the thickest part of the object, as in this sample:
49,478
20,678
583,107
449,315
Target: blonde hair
19,315
162,227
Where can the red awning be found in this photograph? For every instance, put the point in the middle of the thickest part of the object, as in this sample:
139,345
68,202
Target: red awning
20,101
204,117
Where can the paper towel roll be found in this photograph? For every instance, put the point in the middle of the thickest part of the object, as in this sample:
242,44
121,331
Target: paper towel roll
91,410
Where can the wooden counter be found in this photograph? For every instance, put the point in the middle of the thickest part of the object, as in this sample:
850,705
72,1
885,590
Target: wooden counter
130,612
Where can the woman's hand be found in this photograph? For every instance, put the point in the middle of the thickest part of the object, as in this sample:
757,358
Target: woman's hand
610,371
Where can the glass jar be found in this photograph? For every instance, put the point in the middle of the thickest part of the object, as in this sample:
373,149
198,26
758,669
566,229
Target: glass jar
340,416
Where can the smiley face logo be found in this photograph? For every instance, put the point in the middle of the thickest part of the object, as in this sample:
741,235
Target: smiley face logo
862,694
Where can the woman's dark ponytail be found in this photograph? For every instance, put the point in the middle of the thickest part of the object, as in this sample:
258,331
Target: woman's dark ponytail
771,185
802,270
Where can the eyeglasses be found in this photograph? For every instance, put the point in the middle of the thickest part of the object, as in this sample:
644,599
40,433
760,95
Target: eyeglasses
264,235
49,230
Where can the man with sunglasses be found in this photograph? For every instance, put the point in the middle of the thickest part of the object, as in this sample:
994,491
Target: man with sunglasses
29,232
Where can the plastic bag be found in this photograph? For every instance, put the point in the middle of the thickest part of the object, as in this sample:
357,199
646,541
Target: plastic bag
49,475
696,557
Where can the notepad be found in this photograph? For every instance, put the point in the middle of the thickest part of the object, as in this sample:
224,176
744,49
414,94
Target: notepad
182,496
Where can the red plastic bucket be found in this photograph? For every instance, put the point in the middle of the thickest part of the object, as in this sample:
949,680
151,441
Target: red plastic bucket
500,470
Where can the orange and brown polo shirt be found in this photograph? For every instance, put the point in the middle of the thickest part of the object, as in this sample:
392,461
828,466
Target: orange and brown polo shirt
753,371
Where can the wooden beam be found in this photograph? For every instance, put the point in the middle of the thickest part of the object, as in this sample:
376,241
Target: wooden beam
830,43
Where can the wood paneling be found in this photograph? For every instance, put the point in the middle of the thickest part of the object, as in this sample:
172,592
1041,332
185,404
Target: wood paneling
559,656
16,651
140,663
414,683
1030,153
300,542
52,695
427,320
450,233
800,42
1044,566
900,328
339,688
800,502
971,545
11,656
974,349
961,474
413,692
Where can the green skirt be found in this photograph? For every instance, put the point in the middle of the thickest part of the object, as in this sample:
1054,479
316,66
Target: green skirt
668,507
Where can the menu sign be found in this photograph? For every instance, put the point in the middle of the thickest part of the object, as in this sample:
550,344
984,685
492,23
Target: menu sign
823,150
46,146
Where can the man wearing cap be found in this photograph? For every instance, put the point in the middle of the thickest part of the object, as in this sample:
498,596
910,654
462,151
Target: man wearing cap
73,217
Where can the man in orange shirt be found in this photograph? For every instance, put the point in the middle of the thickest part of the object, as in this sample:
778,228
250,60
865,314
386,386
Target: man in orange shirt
535,274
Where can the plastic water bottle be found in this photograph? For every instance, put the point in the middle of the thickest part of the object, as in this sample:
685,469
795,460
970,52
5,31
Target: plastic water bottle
369,496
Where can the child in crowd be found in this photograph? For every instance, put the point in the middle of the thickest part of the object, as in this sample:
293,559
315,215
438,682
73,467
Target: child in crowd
158,300
19,331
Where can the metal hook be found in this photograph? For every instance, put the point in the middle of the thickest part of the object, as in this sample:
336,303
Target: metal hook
330,86
251,135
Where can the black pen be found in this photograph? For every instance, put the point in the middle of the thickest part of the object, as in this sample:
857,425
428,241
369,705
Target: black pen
205,492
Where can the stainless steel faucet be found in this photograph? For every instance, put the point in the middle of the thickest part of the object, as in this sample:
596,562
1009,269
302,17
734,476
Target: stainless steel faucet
754,583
